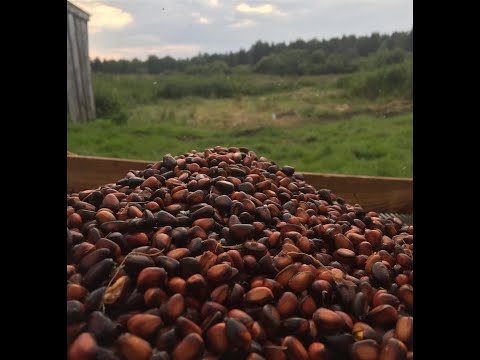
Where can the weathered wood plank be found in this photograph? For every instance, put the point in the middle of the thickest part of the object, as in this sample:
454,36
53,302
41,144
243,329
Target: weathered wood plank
373,193
82,66
71,88
79,84
90,100
85,172
376,193
75,10
82,60
76,67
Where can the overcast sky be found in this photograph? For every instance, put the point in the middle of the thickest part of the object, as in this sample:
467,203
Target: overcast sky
183,28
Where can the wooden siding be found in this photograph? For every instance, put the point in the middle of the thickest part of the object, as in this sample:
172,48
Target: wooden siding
80,100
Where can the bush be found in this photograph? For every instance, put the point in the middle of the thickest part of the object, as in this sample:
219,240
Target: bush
107,103
384,57
390,57
242,70
215,68
120,118
393,80
300,62
171,90
290,62
209,87
219,88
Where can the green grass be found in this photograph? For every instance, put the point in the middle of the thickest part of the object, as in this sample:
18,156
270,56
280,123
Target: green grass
309,122
361,145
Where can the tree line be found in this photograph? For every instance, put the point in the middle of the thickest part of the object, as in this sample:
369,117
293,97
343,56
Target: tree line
346,54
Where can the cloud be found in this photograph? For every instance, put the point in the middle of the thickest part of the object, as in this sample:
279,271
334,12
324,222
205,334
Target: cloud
199,19
213,3
260,9
243,24
174,50
104,17
203,20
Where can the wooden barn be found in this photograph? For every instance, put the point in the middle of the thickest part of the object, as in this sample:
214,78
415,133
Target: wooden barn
80,100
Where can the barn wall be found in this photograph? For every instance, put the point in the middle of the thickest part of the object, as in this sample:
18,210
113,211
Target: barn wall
80,100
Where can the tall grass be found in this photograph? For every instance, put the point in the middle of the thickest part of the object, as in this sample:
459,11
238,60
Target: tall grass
146,89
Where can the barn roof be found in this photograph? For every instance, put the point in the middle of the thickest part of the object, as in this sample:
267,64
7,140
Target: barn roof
75,10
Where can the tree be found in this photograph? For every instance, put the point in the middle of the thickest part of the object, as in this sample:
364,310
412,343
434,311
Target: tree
96,65
298,44
409,44
337,55
368,44
167,63
153,64
318,56
242,57
258,51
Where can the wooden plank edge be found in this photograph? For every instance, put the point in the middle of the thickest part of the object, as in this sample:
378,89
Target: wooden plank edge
305,173
366,177
374,193
118,160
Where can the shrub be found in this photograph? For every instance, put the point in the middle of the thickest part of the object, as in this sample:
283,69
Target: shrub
120,118
390,57
210,87
393,80
107,103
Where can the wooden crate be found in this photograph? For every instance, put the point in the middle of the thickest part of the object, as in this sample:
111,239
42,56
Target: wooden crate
380,194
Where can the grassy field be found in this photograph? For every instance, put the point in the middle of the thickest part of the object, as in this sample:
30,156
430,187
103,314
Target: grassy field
307,122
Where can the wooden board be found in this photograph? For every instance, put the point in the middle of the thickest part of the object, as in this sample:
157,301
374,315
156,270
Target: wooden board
87,73
80,99
373,193
72,94
77,74
75,10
